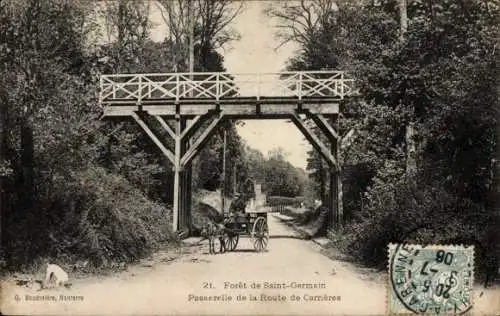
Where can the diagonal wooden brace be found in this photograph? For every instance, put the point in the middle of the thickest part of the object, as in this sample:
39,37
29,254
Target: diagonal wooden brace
165,126
324,126
191,129
153,137
315,141
200,142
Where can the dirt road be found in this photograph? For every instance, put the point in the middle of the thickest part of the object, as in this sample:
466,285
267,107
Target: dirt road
180,286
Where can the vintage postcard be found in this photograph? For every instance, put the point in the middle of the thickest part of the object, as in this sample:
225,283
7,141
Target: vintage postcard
215,157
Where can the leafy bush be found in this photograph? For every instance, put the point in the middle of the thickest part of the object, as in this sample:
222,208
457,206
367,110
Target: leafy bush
101,217
427,215
203,213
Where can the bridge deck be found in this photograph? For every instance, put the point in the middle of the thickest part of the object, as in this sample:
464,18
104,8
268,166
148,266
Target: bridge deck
244,93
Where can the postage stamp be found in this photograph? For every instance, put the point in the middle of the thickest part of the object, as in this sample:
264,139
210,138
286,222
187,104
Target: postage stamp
434,279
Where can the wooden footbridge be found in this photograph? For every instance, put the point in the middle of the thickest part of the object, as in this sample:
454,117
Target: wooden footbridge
190,106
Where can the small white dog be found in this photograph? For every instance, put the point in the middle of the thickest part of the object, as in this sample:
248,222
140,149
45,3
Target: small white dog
55,275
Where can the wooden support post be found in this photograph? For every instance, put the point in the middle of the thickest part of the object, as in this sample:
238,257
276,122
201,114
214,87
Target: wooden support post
223,187
186,177
182,209
184,153
177,176
189,191
335,195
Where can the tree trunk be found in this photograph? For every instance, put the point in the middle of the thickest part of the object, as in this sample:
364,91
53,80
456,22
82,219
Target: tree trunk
411,152
411,162
3,158
403,19
122,9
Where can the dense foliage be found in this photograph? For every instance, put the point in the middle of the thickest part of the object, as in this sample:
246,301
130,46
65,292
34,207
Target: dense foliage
277,176
73,186
442,74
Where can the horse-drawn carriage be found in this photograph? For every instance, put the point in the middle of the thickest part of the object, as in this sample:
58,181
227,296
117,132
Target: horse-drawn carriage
241,220
253,225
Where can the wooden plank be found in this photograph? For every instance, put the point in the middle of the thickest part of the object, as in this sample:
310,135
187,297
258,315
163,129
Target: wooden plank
200,142
259,116
321,108
196,109
127,110
163,110
119,110
239,109
153,137
278,108
315,141
245,107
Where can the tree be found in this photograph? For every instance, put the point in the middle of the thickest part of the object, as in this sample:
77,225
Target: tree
129,49
128,21
41,55
54,140
298,21
208,22
443,79
281,178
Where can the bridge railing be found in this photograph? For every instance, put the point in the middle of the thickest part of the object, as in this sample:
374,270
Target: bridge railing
221,85
280,203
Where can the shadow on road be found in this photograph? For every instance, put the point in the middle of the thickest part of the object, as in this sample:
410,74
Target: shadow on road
287,236
244,250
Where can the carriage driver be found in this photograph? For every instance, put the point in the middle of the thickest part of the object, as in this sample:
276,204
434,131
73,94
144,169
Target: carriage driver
249,192
238,205
240,202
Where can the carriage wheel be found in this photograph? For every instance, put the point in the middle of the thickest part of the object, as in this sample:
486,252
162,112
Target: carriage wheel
231,241
260,234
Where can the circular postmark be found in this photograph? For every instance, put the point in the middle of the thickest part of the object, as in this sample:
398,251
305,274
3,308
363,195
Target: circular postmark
433,279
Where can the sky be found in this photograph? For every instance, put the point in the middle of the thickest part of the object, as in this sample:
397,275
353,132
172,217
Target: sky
255,53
